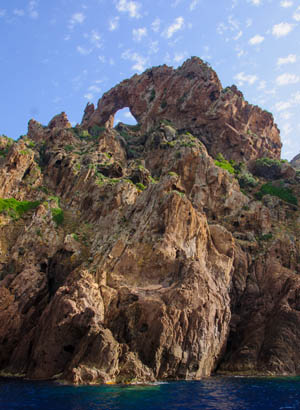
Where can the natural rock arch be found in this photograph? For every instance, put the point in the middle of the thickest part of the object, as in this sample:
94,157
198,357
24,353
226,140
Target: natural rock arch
192,99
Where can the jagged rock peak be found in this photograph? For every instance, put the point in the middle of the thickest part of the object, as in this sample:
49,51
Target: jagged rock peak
60,121
192,98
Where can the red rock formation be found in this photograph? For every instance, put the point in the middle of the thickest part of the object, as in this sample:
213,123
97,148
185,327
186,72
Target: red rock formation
192,98
144,260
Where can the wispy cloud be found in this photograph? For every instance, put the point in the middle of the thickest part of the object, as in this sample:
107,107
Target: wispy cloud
243,78
76,18
286,3
282,105
290,59
140,62
83,50
2,12
18,12
130,7
255,2
176,26
113,23
179,57
194,4
257,39
296,15
287,78
139,33
94,38
33,13
282,29
156,25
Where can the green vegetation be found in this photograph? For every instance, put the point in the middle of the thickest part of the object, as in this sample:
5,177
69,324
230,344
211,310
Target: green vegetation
172,174
221,162
96,130
247,180
54,198
69,148
181,194
75,236
269,162
163,104
140,186
16,209
265,237
102,179
57,215
281,192
152,95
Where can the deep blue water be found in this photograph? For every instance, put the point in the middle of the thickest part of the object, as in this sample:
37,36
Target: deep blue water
216,393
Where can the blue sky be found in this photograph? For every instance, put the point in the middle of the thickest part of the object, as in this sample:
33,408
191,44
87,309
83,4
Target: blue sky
56,55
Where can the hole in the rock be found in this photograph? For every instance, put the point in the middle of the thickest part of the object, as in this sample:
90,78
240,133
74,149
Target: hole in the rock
124,115
69,348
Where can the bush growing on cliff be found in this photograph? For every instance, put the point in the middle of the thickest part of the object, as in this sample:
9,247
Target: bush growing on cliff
57,215
15,208
221,162
281,192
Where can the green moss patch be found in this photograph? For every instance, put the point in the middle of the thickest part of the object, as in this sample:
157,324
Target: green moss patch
281,192
15,208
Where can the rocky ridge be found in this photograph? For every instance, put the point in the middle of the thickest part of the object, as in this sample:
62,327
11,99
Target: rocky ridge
165,250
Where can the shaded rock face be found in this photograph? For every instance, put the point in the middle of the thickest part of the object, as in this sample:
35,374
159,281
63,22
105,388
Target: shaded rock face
192,98
142,260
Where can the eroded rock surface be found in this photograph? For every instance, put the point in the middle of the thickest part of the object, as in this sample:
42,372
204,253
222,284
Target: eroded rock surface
192,98
137,257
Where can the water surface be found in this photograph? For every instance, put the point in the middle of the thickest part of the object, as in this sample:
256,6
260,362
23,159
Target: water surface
215,393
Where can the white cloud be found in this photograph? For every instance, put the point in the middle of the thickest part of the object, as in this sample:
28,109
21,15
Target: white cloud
287,128
194,4
129,115
176,26
76,18
286,3
282,29
95,39
249,22
131,7
262,85
286,115
83,51
287,78
19,12
257,39
291,58
32,9
282,105
89,96
243,78
255,2
139,33
153,49
179,57
238,36
156,25
113,23
140,62
296,15
94,88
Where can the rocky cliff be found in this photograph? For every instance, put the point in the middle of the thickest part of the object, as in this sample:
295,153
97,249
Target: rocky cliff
165,250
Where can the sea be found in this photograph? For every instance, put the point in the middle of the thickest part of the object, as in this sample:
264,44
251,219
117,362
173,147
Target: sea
214,393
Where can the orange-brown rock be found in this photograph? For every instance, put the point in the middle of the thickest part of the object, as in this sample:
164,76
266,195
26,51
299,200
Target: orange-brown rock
192,98
142,259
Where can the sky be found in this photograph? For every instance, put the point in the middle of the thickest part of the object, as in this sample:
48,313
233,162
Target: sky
58,55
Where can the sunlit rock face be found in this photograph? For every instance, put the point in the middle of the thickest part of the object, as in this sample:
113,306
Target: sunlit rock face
130,256
192,98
